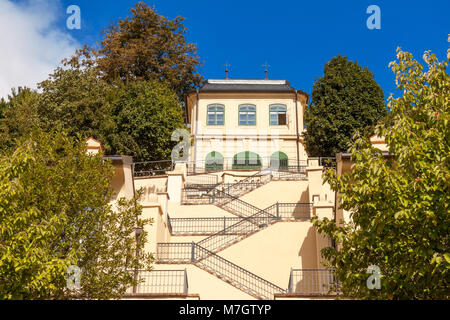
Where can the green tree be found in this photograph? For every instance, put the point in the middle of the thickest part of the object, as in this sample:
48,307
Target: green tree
399,205
135,119
77,100
148,46
146,114
345,100
18,116
55,212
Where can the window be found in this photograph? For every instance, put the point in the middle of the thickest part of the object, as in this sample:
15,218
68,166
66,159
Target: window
215,115
214,161
247,115
278,115
279,160
246,160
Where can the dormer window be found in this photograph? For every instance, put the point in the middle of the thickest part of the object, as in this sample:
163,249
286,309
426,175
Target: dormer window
216,115
247,115
278,115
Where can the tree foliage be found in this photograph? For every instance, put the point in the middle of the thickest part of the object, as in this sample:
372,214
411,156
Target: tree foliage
399,205
76,100
146,114
345,100
135,119
55,212
18,116
148,46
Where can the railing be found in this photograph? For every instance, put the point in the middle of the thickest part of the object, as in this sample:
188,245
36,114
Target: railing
295,175
313,282
212,225
195,195
235,205
200,226
327,162
162,282
291,211
233,274
237,231
152,168
173,252
203,166
250,183
203,179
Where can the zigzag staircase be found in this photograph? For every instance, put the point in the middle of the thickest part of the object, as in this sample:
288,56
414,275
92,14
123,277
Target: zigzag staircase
203,254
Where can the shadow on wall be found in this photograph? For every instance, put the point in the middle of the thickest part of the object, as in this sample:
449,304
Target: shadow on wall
308,251
304,197
306,282
118,182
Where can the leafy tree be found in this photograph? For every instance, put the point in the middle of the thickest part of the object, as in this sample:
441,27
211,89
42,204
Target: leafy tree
146,114
345,100
399,205
18,116
54,213
135,119
148,46
77,100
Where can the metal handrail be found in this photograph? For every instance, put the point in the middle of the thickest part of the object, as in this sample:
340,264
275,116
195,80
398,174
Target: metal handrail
243,228
200,226
173,252
152,168
313,282
327,162
202,179
236,275
162,282
228,163
214,225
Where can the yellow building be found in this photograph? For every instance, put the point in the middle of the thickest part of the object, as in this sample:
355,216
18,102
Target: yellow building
248,121
234,221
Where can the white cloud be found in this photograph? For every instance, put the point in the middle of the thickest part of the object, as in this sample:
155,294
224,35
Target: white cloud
31,45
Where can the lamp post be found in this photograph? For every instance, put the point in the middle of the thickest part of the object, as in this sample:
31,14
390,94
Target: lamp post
138,232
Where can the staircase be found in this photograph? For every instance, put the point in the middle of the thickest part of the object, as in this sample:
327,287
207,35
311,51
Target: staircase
203,254
234,275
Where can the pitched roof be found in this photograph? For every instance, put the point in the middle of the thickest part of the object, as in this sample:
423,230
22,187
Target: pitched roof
246,85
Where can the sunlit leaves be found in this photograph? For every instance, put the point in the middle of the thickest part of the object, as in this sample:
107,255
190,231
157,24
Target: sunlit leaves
55,212
400,203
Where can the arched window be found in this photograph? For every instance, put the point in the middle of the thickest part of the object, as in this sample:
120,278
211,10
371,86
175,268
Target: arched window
216,115
279,160
214,161
278,115
247,115
247,160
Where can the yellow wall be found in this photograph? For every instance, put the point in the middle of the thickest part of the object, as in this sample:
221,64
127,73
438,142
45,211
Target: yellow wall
281,191
272,252
197,211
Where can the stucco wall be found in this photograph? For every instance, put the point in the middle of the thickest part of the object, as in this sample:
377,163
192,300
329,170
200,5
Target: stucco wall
197,211
281,191
272,252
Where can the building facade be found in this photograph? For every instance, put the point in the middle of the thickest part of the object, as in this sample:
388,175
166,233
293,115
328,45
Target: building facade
240,124
234,220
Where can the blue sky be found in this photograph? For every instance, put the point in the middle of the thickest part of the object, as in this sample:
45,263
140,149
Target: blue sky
295,37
